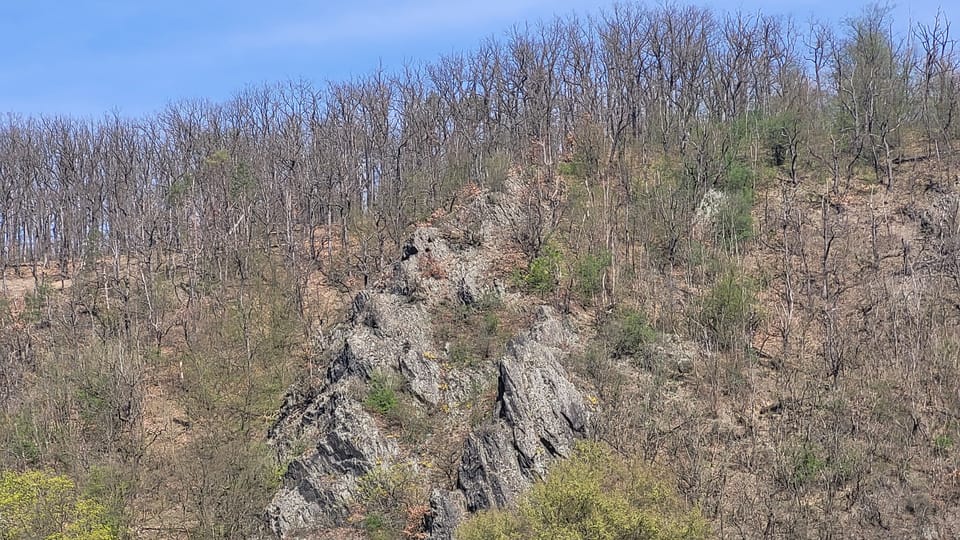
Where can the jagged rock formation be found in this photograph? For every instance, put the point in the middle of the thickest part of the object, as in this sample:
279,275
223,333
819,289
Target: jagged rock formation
540,413
318,486
330,441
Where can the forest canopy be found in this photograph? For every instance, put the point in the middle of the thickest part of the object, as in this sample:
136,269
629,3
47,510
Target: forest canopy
372,155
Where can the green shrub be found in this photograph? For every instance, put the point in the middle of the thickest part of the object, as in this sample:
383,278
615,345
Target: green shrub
628,332
37,504
806,466
470,349
573,169
585,161
942,444
489,302
376,525
776,132
462,355
20,438
663,209
491,323
110,485
37,304
733,221
594,495
589,272
739,178
382,396
473,331
728,311
543,273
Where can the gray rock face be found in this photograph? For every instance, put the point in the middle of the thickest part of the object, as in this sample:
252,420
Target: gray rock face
447,510
317,487
540,415
545,410
432,271
710,205
385,333
322,432
491,474
388,333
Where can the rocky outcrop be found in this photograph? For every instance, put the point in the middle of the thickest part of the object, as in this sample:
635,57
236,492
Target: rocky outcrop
447,510
539,416
329,441
433,271
318,487
323,432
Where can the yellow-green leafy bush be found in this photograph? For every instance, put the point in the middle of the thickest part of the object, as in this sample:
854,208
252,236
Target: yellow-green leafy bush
594,495
36,504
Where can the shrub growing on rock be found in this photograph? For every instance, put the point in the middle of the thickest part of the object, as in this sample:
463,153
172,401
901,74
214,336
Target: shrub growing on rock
382,397
594,495
543,273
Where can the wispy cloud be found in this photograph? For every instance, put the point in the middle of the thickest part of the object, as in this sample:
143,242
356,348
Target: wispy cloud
398,21
97,54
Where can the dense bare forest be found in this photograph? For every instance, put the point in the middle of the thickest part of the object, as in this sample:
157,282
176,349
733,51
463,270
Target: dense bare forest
781,196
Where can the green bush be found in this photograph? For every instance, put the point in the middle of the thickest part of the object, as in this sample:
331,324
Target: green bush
806,466
573,169
776,131
943,443
589,273
37,304
377,526
739,178
382,396
594,495
628,332
543,273
733,221
663,209
471,348
585,161
392,499
36,504
728,311
462,355
19,439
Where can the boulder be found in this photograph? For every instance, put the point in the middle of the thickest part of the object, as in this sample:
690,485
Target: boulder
676,355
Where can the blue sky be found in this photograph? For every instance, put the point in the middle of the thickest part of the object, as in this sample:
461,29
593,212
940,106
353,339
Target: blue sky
87,57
